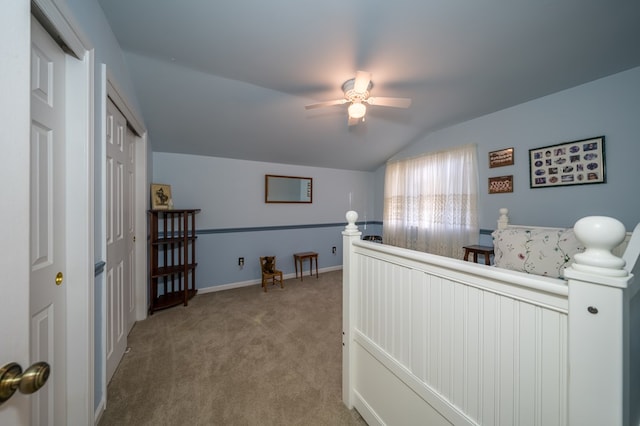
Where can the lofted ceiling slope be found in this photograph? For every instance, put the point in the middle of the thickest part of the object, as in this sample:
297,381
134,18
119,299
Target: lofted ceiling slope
231,78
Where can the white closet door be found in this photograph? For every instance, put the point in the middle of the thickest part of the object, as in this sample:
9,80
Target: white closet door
118,224
47,225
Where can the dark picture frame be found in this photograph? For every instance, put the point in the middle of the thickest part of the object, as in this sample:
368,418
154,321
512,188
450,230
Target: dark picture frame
500,184
580,162
288,189
501,157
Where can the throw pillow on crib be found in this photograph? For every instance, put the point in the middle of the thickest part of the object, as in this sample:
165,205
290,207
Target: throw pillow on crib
541,251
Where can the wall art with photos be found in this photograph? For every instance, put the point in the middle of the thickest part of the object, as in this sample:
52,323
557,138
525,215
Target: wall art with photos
500,184
502,157
571,163
161,197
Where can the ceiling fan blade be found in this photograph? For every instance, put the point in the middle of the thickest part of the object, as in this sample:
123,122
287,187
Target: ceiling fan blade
361,84
390,102
326,104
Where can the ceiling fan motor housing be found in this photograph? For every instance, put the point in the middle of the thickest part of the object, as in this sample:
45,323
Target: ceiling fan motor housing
350,93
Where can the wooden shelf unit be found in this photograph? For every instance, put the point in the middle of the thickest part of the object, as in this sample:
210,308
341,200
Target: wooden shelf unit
172,258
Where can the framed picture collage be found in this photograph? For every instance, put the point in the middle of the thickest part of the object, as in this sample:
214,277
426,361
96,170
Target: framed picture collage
572,163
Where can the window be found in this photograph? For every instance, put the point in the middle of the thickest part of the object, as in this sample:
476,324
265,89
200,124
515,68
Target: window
430,202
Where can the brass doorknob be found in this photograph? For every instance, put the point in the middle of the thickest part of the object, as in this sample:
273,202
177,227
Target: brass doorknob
12,378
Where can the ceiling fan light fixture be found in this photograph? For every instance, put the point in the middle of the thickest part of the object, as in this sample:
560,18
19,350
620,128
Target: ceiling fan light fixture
356,94
357,110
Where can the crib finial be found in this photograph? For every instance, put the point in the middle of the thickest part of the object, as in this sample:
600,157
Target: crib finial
600,235
351,227
503,220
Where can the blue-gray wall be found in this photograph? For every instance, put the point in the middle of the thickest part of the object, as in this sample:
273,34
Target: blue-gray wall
88,15
609,107
236,222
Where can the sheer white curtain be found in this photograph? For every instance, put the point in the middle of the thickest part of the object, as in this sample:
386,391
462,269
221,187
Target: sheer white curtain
430,202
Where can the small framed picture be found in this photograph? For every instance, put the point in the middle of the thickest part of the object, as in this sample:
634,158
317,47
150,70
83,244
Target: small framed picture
500,184
572,163
161,196
502,157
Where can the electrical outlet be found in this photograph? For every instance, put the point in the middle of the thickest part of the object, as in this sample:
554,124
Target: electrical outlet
241,261
333,250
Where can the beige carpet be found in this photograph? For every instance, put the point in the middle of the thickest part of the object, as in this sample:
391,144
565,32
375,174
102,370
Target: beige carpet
237,357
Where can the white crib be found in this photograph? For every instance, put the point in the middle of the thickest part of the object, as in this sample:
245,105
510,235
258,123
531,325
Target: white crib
430,340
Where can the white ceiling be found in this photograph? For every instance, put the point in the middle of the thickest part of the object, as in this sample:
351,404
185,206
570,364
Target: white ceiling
230,78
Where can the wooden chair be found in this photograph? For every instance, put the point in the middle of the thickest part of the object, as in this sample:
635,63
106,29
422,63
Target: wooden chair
269,272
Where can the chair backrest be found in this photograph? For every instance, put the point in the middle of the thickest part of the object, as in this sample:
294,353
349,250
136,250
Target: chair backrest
268,264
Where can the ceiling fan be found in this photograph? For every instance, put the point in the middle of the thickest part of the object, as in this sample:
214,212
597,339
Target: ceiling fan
356,92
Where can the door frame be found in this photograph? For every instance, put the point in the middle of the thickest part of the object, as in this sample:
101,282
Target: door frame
15,29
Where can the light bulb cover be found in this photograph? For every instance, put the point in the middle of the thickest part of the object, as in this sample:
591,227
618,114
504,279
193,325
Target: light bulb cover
357,110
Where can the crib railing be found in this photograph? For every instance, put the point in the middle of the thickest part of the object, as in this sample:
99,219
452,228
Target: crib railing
434,340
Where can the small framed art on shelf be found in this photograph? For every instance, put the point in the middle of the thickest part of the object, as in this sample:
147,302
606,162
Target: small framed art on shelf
161,197
572,163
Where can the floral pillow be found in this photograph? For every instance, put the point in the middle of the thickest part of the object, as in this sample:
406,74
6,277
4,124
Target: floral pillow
540,251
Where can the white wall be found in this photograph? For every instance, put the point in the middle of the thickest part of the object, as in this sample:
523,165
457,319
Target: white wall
609,107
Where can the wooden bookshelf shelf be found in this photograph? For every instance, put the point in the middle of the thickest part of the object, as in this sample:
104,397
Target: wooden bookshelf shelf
172,258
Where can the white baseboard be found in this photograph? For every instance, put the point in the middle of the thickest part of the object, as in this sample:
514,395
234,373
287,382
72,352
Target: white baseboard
239,284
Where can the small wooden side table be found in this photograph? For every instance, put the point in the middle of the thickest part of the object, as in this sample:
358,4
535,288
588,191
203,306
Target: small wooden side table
486,251
298,258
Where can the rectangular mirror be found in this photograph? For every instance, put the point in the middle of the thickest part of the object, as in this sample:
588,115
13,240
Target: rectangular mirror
287,189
